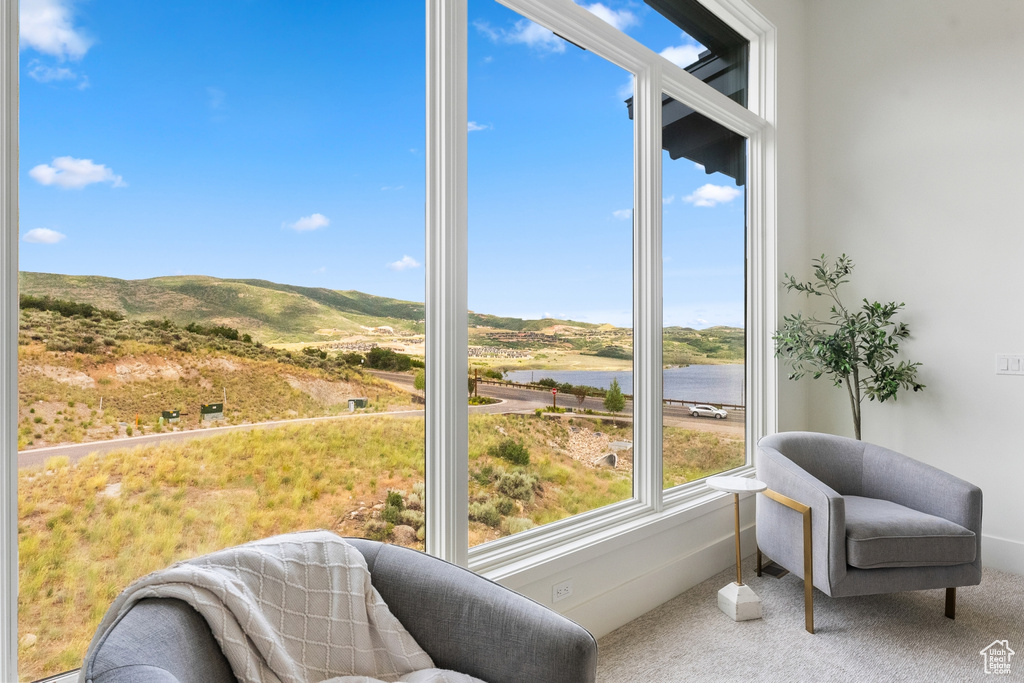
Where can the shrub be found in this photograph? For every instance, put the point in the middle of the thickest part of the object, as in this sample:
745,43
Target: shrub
377,529
419,382
393,507
484,513
505,506
413,518
381,358
513,525
513,451
351,358
518,485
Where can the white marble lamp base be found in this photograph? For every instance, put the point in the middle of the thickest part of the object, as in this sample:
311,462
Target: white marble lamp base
740,602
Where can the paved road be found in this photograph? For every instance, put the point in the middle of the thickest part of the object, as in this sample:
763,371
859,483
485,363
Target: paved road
512,400
531,399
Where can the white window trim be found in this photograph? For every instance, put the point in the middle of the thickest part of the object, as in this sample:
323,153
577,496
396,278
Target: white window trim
446,211
9,341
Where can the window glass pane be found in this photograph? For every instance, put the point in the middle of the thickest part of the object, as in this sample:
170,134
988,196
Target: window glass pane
703,237
224,204
550,276
686,34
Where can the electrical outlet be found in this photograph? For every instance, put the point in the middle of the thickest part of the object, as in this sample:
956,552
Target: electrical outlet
560,591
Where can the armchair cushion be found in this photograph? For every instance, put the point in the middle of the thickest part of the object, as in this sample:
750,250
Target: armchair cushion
880,533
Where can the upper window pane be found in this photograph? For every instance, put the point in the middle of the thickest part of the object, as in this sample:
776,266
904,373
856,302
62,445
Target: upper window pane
550,276
686,34
704,252
223,202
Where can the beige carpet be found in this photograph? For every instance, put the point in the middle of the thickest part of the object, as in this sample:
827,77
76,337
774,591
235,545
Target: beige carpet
898,637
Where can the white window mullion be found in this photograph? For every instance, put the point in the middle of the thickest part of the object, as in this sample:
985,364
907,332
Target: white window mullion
9,341
647,290
447,410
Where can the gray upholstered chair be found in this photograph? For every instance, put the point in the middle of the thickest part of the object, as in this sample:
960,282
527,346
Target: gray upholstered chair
880,522
464,622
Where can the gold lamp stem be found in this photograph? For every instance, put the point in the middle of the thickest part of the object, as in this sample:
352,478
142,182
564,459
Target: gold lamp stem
739,573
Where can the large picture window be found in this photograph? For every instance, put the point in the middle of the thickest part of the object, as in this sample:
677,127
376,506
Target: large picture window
551,277
232,325
221,334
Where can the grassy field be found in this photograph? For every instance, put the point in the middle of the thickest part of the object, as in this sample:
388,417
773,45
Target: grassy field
689,455
87,530
67,365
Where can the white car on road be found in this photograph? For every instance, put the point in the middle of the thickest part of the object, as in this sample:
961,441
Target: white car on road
704,410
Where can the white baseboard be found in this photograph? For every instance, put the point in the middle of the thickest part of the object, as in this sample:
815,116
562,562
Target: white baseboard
1002,554
620,605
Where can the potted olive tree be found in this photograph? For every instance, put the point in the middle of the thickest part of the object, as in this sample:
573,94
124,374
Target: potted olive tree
855,348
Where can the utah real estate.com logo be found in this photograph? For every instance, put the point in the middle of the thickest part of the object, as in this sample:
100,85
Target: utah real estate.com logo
997,657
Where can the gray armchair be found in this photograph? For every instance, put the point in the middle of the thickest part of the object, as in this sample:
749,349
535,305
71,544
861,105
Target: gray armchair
880,522
464,622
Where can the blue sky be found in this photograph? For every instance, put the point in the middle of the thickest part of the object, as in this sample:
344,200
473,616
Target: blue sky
284,141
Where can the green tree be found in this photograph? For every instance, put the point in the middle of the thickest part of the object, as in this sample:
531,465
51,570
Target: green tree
614,401
580,392
419,382
854,348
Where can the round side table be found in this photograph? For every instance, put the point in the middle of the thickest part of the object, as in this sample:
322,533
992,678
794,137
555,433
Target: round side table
737,600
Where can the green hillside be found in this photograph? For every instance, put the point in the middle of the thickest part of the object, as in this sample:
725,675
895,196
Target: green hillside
268,311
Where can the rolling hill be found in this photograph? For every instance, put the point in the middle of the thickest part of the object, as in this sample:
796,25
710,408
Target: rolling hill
270,312
278,313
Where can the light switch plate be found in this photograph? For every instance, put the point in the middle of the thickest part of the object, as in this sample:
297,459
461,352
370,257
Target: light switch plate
1009,364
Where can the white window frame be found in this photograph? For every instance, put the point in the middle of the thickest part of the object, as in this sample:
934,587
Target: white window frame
651,506
446,296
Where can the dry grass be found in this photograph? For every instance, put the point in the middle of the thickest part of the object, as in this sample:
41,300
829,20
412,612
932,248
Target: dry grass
88,530
689,455
83,538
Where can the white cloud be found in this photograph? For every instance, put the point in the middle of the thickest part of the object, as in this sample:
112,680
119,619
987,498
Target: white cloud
626,90
474,126
43,236
523,32
668,200
623,214
47,26
216,98
388,188
621,19
699,167
71,173
307,223
404,263
712,195
682,55
44,74
321,269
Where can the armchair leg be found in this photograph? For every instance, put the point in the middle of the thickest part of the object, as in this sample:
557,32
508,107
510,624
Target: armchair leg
951,603
759,562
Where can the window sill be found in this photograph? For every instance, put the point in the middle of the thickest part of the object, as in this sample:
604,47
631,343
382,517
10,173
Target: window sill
536,554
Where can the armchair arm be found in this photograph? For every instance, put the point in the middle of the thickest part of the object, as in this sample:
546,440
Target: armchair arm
469,624
160,640
779,530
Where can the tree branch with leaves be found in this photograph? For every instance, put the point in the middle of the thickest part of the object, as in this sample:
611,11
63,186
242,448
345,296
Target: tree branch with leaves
853,348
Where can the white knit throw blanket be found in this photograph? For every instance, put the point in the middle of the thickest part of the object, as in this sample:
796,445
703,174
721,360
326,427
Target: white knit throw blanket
295,608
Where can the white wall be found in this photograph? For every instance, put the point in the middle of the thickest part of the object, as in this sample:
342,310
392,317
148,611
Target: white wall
915,161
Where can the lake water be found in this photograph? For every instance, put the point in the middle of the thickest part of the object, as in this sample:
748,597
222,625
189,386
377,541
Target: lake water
701,383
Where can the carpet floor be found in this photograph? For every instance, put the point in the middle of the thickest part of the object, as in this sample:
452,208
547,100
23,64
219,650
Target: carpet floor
897,637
